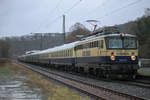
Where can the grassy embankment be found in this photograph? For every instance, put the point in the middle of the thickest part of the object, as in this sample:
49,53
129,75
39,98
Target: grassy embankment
49,90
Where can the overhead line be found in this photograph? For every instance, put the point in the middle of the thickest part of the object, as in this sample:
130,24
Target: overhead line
118,9
53,10
100,5
67,11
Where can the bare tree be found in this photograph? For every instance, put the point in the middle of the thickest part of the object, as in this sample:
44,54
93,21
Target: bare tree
75,30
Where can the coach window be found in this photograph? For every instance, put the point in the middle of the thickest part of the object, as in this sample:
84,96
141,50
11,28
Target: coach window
81,46
61,53
87,45
92,44
65,53
69,52
58,54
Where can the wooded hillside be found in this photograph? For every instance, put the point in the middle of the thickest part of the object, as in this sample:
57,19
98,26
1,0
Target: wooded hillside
4,49
141,28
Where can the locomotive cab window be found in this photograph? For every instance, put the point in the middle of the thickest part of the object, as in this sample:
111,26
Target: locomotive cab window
130,43
118,43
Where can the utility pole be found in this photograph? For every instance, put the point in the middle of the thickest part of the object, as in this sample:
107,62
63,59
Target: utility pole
64,31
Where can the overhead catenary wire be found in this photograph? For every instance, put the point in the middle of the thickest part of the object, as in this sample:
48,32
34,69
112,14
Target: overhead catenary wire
65,12
52,11
99,6
119,9
60,16
76,4
114,11
107,14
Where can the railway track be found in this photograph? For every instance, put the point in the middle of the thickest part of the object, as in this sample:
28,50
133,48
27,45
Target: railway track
139,84
96,92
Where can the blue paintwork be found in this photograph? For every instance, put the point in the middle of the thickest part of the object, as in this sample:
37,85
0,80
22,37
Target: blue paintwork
98,60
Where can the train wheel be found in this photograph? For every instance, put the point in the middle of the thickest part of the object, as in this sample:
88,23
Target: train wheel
107,76
133,76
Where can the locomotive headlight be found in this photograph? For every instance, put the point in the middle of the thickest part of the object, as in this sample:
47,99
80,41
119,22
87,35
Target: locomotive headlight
122,35
112,58
133,58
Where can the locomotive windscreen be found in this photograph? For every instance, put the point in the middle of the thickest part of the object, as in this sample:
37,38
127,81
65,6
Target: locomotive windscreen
119,43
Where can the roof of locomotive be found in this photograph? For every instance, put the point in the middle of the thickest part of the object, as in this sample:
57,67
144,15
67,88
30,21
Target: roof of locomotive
101,35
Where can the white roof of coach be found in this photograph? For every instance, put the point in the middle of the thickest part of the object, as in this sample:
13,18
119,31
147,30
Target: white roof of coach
57,48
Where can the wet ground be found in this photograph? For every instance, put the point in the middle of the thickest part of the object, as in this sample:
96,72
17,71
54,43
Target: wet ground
20,83
14,87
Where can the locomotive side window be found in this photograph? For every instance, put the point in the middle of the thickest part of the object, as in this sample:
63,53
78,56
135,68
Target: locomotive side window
100,44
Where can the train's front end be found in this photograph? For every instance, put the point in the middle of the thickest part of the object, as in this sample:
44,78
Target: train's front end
122,54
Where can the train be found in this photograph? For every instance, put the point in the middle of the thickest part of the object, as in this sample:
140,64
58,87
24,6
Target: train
107,53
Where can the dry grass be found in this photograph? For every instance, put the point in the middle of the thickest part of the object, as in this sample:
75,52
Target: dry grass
4,60
49,90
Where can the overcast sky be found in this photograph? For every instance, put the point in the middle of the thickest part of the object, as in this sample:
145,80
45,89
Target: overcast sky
19,17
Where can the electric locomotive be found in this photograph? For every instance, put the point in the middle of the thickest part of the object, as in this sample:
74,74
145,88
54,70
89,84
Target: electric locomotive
109,54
